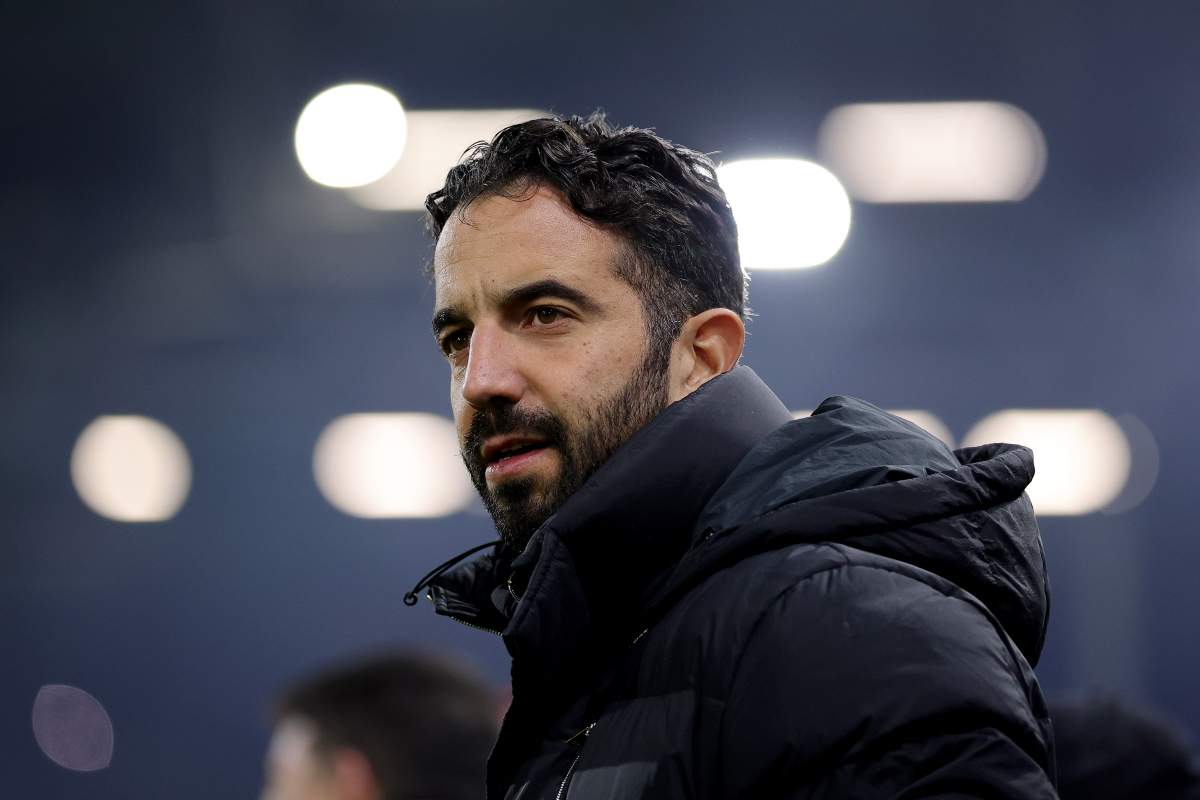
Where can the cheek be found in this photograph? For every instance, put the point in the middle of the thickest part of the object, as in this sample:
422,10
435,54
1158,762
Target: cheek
616,357
464,414
598,368
457,403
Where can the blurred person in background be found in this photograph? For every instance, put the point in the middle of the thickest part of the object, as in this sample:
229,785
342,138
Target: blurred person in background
702,597
1108,749
394,728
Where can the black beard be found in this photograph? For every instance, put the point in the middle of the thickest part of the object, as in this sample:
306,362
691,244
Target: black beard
516,509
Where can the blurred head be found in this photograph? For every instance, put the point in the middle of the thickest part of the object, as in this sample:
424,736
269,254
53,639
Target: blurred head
585,278
389,729
1108,750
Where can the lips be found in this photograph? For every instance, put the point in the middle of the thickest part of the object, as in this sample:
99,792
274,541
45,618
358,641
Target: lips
515,451
503,448
509,442
511,459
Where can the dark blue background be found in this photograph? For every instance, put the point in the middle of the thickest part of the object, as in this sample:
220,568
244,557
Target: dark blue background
161,253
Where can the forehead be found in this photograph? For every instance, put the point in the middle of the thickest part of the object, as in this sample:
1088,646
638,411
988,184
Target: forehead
500,242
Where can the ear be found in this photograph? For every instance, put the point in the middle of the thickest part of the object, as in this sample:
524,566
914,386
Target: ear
709,344
354,776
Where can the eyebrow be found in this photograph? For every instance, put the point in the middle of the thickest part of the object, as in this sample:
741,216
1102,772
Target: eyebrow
445,317
549,288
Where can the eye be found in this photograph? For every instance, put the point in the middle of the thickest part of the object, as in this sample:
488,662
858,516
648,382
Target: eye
546,315
456,341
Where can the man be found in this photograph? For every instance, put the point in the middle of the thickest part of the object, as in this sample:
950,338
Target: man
394,728
702,597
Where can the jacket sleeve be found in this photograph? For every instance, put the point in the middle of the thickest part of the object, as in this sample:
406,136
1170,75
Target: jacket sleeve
864,682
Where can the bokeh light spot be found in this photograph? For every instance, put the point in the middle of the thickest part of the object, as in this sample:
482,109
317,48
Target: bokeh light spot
934,152
350,135
1081,456
72,728
131,469
790,213
392,465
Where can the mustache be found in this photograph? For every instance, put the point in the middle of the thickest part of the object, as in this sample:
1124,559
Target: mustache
504,420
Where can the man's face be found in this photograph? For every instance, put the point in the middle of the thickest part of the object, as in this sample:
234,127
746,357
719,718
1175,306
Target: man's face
547,350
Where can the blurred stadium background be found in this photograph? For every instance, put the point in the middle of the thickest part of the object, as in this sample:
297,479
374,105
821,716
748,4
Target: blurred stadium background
184,314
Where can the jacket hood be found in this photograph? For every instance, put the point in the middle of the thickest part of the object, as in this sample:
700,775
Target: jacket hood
856,475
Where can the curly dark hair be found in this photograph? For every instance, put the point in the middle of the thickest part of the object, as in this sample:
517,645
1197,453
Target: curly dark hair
663,200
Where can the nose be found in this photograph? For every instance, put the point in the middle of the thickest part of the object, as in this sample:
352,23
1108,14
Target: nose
493,374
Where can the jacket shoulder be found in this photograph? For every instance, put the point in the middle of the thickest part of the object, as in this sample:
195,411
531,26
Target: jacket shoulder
826,658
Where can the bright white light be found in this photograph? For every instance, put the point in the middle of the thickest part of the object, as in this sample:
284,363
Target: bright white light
790,213
436,141
934,152
72,728
392,465
350,135
131,469
1081,456
927,421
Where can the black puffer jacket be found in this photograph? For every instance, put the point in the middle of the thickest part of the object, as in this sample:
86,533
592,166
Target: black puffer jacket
737,604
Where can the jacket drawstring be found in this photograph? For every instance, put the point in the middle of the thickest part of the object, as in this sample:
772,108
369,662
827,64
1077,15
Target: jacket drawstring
410,599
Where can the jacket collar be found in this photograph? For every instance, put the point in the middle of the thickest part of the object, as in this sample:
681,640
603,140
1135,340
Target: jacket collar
590,569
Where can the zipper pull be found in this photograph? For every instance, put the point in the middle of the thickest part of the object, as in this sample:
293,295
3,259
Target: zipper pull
578,739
